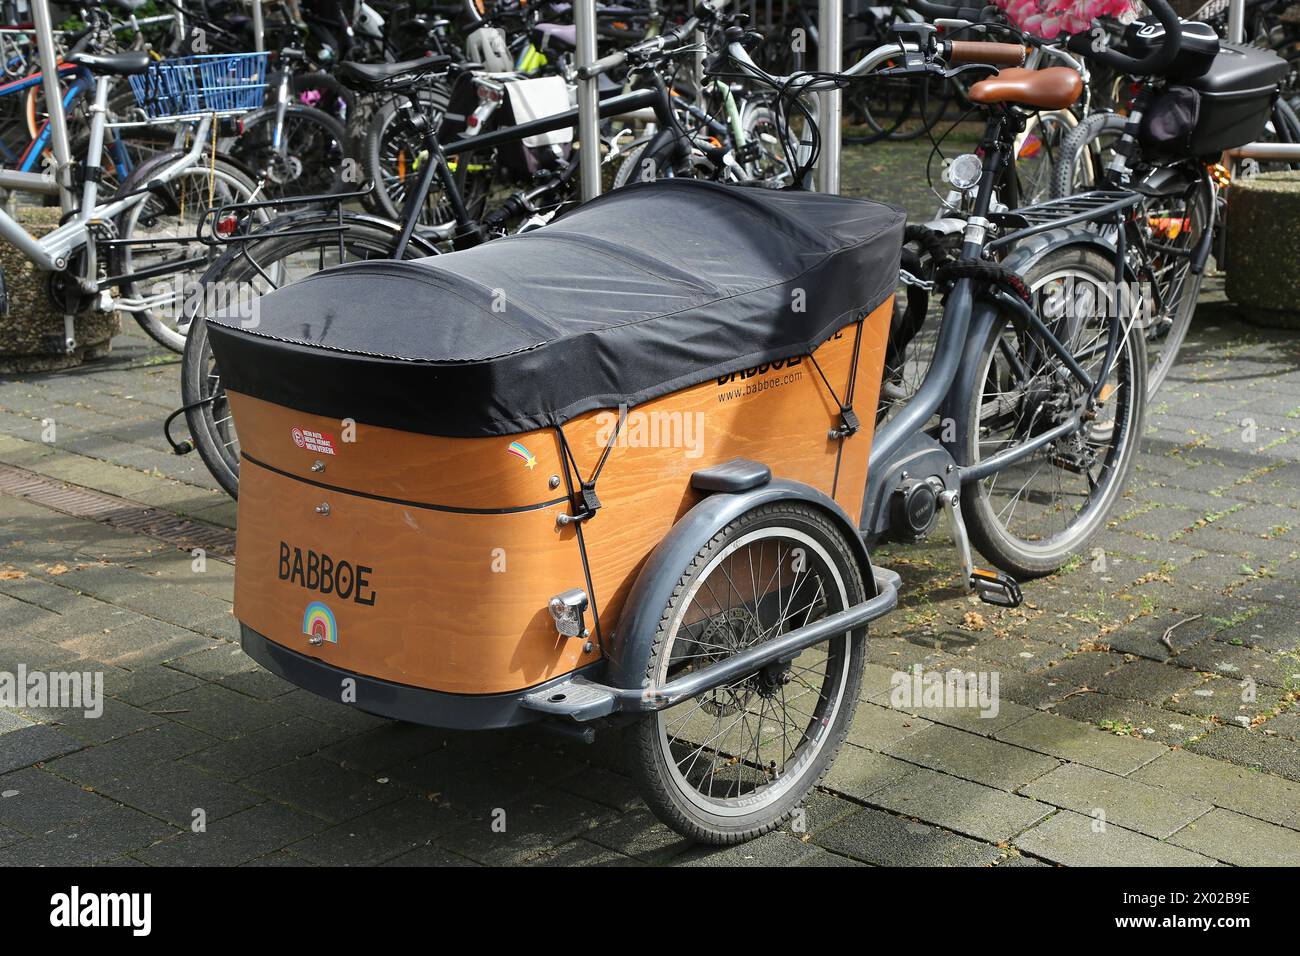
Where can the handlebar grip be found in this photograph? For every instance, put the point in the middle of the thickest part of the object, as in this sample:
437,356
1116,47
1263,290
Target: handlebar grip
980,51
686,29
602,65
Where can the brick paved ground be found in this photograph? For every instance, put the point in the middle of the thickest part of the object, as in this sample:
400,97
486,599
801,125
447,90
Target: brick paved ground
1105,749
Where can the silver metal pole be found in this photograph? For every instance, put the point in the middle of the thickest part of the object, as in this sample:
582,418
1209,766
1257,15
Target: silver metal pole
259,40
1268,152
584,20
1236,21
830,44
53,101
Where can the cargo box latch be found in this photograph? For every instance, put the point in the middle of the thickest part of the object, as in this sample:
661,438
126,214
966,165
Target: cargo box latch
589,504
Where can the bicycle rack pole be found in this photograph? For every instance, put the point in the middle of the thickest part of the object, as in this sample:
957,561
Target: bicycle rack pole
830,49
584,20
53,97
259,39
1236,21
1267,152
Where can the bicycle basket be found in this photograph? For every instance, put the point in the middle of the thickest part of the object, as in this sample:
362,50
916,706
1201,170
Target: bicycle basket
183,85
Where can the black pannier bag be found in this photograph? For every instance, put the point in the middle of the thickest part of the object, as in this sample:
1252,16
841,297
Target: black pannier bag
1170,122
1234,99
647,290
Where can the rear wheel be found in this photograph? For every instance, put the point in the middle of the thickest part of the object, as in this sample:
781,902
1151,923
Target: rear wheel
1038,148
657,159
236,281
1030,517
735,761
304,157
171,217
1085,152
1174,226
394,155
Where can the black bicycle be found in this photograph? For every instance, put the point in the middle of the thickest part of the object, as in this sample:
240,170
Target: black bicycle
1210,96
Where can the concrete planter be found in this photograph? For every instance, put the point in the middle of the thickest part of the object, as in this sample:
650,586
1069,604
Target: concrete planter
31,335
1263,246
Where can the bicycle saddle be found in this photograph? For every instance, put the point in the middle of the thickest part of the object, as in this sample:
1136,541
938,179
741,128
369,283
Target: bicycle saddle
562,36
376,75
130,63
1053,88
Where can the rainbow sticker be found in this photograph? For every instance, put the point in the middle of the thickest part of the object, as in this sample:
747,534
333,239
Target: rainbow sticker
519,451
318,621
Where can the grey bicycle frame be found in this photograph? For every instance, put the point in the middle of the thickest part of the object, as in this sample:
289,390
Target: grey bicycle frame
958,310
51,252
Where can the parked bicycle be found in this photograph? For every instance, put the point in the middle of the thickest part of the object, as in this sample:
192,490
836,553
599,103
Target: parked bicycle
138,251
1189,109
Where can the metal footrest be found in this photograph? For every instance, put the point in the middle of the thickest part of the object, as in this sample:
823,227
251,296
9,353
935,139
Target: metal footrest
576,698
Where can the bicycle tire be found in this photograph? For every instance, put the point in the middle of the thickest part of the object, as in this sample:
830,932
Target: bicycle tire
316,154
237,188
211,428
987,519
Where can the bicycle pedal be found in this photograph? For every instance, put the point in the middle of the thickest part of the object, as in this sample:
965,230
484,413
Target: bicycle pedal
994,587
4,295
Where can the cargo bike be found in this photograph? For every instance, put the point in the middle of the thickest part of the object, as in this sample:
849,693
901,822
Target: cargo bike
625,467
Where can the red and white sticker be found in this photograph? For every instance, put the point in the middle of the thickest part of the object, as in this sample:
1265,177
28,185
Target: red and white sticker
318,442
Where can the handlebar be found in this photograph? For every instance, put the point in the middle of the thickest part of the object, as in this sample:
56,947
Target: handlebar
603,65
639,51
1094,45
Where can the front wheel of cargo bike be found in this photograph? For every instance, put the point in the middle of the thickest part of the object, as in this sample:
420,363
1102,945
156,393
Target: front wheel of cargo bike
734,762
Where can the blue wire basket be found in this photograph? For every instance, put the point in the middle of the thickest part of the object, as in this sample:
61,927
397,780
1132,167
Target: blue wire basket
182,85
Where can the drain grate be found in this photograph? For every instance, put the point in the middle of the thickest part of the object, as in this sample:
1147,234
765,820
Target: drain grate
185,533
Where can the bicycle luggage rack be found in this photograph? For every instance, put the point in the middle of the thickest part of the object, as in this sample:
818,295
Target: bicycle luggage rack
1100,204
208,233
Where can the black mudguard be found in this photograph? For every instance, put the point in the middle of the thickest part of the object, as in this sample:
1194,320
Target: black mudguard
633,638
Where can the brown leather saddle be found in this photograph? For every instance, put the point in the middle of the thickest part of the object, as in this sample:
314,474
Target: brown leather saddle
1053,88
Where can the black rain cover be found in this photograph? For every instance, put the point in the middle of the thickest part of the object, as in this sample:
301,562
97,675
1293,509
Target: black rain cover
642,292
